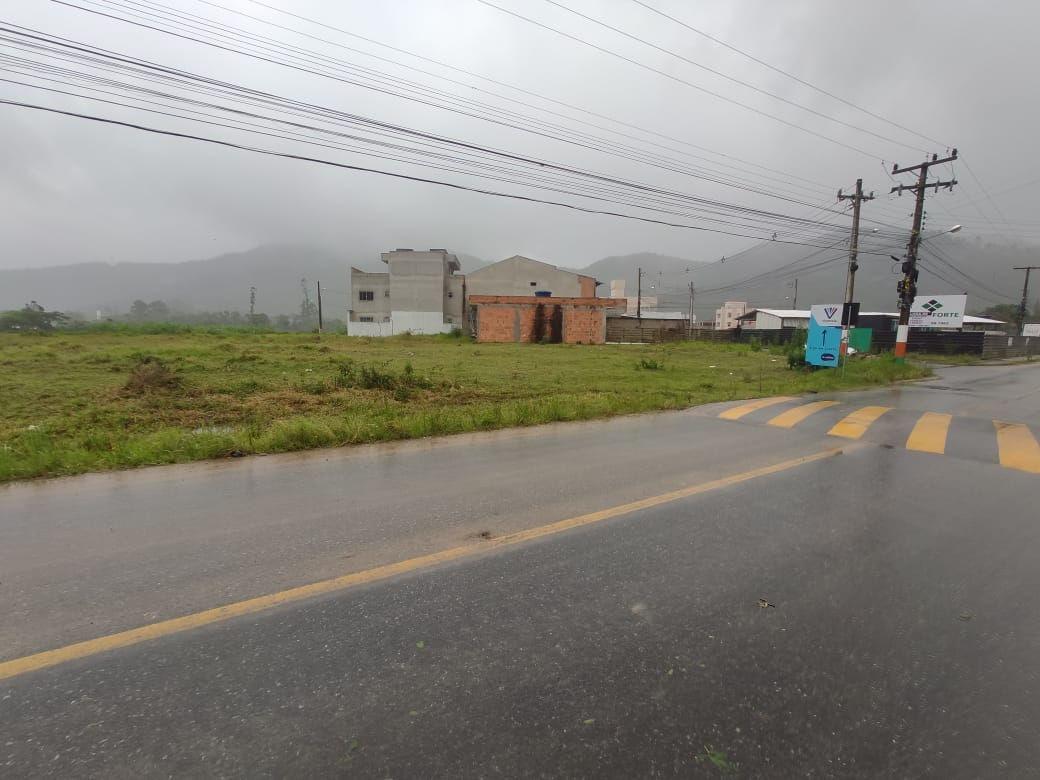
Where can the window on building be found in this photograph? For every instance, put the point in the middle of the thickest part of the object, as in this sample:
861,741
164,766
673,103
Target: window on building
451,294
365,319
366,295
534,284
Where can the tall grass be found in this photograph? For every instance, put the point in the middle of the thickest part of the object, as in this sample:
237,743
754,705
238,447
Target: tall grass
116,398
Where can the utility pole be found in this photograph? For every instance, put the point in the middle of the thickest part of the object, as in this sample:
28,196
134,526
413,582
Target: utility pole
907,286
794,302
850,279
1023,307
320,321
689,322
639,294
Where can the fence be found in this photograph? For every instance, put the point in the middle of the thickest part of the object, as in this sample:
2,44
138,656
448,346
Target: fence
648,332
997,345
986,345
933,342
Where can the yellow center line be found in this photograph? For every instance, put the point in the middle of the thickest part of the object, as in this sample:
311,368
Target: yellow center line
929,434
792,417
30,663
856,424
736,412
1018,449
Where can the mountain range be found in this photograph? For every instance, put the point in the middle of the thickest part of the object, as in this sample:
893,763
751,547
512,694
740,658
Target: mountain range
764,276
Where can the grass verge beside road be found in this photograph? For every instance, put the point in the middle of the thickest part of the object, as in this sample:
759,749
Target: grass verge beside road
74,402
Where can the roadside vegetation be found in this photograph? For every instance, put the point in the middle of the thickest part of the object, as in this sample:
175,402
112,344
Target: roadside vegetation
76,401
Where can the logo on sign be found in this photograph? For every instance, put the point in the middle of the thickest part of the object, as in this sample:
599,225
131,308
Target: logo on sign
932,306
830,311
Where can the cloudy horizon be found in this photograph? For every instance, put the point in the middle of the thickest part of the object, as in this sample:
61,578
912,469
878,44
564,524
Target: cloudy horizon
77,191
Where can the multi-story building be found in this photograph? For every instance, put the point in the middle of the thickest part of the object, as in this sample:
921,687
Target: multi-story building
419,293
726,316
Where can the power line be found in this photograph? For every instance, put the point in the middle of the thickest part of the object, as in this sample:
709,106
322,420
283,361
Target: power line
646,190
363,169
309,68
521,90
789,75
726,76
677,79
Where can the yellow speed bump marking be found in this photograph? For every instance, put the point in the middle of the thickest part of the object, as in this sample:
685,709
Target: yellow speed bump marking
736,412
30,663
1018,449
792,417
856,424
929,433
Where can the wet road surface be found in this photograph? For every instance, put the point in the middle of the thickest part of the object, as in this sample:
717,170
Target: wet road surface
868,613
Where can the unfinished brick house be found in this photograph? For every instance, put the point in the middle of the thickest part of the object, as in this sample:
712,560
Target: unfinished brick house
528,319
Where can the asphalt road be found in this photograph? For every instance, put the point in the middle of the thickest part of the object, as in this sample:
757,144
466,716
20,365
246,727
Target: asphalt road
867,613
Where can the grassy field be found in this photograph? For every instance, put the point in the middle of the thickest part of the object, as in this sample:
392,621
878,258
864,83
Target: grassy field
84,401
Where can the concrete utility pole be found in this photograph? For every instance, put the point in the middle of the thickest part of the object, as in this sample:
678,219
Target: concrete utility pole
1023,307
850,280
907,286
689,322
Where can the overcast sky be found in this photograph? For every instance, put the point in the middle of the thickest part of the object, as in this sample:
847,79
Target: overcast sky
958,72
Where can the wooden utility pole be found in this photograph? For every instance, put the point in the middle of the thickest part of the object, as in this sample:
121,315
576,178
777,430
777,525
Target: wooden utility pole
639,294
689,322
1023,307
850,280
907,286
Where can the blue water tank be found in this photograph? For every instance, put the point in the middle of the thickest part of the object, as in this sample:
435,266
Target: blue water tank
543,294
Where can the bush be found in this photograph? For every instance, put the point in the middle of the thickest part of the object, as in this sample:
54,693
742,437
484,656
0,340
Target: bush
796,355
649,364
151,373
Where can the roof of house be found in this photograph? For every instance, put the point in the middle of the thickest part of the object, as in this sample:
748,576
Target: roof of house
783,314
532,260
968,318
660,315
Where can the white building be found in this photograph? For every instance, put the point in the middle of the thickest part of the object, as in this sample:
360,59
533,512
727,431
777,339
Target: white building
774,319
632,303
419,293
727,314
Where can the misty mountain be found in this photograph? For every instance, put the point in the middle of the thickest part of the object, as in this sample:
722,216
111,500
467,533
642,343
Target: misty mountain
214,284
655,267
763,276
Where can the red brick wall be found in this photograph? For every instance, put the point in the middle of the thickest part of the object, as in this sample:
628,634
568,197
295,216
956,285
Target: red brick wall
587,285
584,325
503,318
495,323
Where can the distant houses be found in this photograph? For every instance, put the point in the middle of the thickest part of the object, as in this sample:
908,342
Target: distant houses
517,299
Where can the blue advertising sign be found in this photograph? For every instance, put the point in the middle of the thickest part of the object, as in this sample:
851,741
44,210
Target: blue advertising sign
823,345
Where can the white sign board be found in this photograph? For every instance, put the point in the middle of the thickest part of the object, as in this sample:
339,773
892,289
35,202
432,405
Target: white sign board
827,314
1031,329
938,311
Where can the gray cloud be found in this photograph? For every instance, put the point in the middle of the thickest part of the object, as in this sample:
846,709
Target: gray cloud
73,191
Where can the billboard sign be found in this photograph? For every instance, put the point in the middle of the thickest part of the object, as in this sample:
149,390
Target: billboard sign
823,344
1031,329
938,311
827,314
